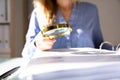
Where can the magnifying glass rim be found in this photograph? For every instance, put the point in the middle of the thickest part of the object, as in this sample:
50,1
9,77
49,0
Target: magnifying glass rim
56,26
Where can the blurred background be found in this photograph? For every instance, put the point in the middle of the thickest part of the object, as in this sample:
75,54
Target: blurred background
15,15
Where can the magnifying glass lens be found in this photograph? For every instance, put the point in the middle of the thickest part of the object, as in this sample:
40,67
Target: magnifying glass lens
56,30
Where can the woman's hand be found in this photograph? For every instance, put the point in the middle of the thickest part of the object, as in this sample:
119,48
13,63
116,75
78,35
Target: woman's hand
44,44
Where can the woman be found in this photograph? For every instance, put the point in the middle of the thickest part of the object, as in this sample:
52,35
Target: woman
83,17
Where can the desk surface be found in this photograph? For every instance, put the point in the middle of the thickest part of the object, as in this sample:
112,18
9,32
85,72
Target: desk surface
74,64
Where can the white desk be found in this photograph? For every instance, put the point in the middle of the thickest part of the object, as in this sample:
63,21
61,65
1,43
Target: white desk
73,64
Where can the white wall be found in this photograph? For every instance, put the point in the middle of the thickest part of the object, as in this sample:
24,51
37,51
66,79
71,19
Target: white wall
109,12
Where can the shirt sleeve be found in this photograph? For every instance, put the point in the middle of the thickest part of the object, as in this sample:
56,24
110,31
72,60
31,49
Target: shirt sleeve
97,34
33,30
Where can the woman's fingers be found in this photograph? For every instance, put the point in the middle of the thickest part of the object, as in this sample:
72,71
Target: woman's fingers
44,43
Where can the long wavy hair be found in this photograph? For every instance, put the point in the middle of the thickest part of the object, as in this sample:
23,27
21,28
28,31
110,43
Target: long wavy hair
46,10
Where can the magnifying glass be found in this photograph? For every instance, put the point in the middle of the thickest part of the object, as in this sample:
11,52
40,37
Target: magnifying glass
56,30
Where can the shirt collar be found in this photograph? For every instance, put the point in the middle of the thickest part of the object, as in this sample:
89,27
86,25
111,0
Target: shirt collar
60,18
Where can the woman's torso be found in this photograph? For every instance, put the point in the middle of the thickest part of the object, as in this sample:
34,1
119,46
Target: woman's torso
81,35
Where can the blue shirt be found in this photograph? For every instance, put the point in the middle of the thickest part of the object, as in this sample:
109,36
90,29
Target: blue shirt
85,29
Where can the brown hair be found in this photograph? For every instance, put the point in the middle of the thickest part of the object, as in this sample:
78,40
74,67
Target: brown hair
49,9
